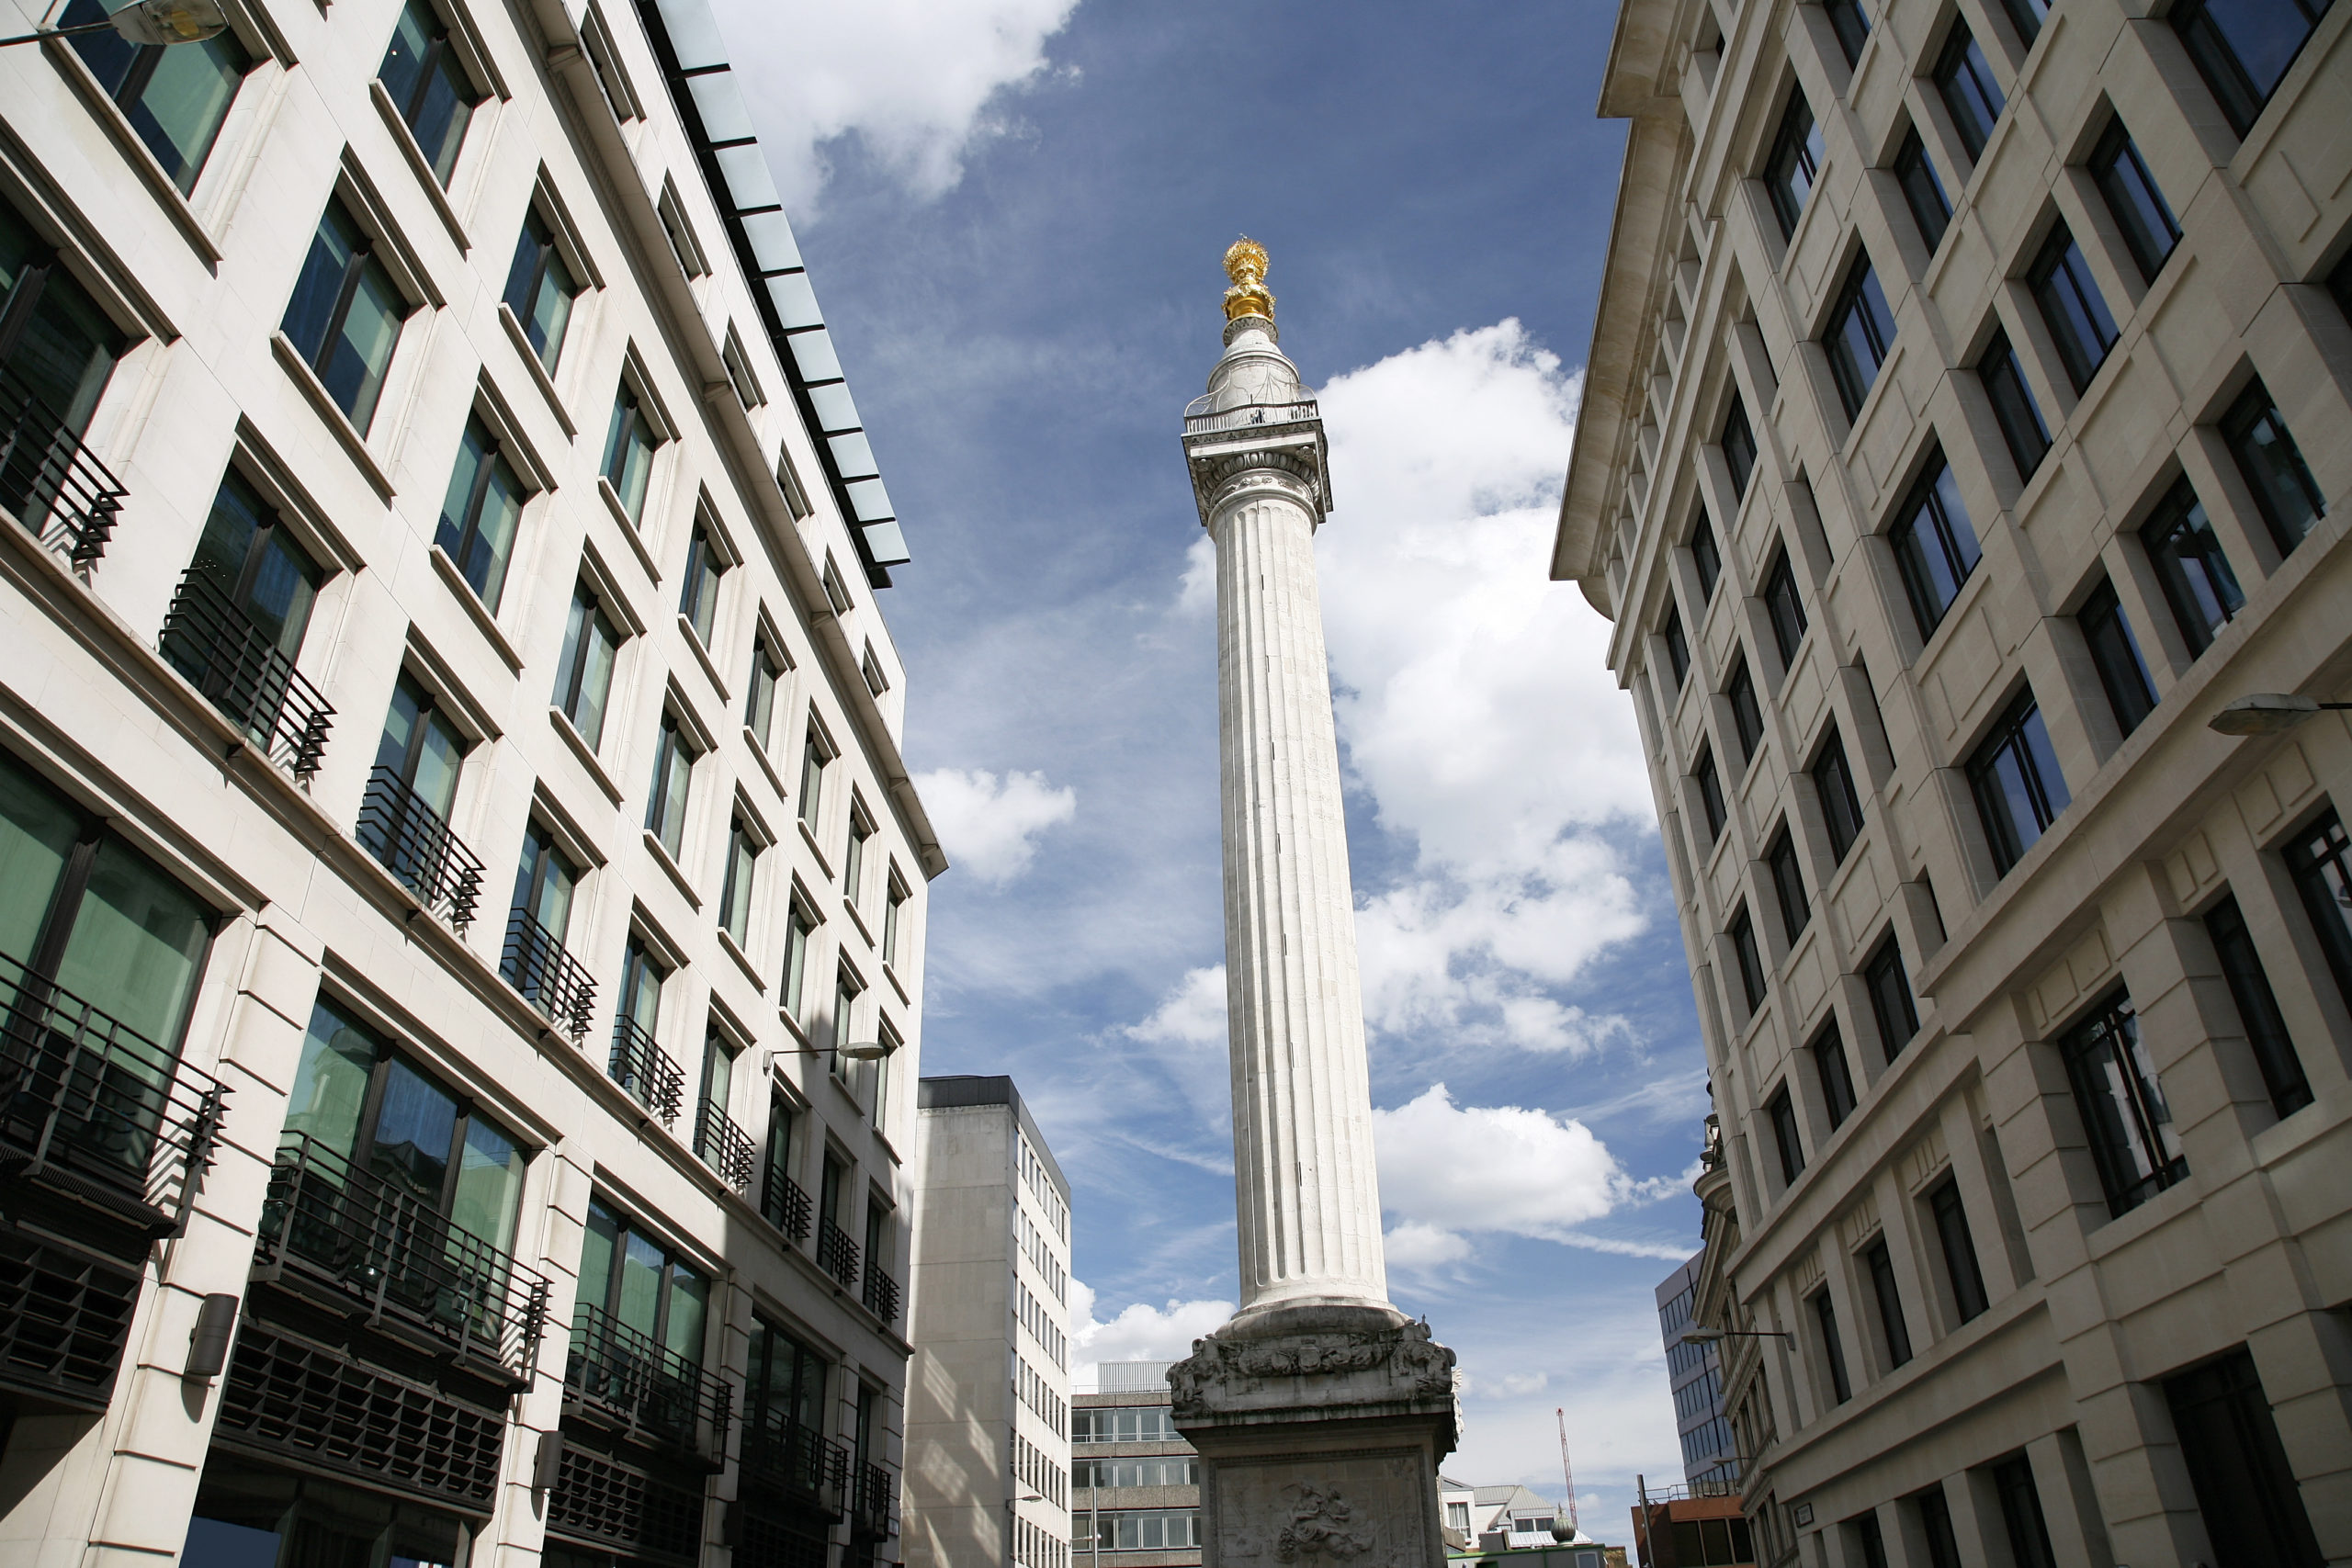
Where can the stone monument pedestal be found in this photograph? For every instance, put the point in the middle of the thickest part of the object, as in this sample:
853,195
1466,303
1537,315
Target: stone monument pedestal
1320,1430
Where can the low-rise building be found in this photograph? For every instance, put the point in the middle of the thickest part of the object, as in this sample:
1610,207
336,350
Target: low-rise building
1135,1484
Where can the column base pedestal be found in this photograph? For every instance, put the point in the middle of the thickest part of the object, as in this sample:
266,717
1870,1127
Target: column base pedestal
1321,1429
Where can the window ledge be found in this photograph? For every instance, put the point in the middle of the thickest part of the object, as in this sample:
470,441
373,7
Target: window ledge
767,769
849,905
473,606
539,377
810,839
891,973
338,422
584,752
661,855
751,971
628,527
800,1035
117,126
410,150
702,656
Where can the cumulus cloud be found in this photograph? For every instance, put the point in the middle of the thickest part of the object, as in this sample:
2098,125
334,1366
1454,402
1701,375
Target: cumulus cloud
1447,1169
919,83
1140,1333
989,825
1191,1014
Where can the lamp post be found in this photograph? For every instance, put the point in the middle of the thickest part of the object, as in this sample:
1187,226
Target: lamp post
145,22
2269,713
1700,1335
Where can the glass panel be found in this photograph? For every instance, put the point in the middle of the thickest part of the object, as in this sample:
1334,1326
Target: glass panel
480,512
1922,191
1969,91
331,1083
310,309
689,1305
187,98
551,309
2198,582
598,1244
2132,197
642,1264
490,1184
590,645
138,943
439,755
354,372
2074,310
2116,655
413,1133
36,833
2266,454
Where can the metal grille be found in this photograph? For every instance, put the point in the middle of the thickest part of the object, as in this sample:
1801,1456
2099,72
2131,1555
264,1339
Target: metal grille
605,1503
91,1106
875,1509
632,1383
245,674
786,1204
881,1293
550,979
62,495
372,1246
305,1400
836,1254
724,1146
646,1070
415,845
64,1320
781,1456
1203,416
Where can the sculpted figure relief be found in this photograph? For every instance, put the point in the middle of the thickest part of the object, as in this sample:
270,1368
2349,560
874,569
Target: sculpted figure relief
1322,1528
1218,1369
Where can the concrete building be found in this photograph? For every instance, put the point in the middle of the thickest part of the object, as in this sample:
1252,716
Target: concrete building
1968,423
1134,1482
1674,1529
1498,1518
989,1400
1694,1377
430,480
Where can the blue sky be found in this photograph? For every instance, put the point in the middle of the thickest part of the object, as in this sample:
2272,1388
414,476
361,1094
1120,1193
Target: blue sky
1013,211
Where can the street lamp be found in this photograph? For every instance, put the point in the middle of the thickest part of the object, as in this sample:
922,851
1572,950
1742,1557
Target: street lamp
1699,1335
146,22
856,1051
2269,713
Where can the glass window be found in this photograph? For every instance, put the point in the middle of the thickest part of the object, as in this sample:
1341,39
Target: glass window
544,882
2072,306
346,313
2259,1014
2245,1488
1711,792
1841,807
248,554
1706,557
55,342
1747,718
2014,409
846,990
673,769
2243,48
2027,16
2133,196
1785,610
893,911
1881,1266
629,445
698,600
735,898
2198,584
1869,1540
2322,865
2018,787
541,288
1935,545
1677,651
1845,19
427,83
420,748
785,1380
814,754
1935,1523
1788,885
1923,193
717,1071
1833,1348
2115,654
2273,466
1740,445
1965,81
636,1281
2021,1514
481,513
1892,1009
1836,1078
1860,329
853,855
1961,1272
176,98
1794,163
798,929
1751,962
584,678
2124,1112
759,708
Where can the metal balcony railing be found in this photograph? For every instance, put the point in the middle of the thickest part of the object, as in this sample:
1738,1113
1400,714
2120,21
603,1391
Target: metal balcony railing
357,1240
92,1107
631,1381
724,1146
643,1068
61,494
786,1204
550,979
413,842
873,1506
1203,416
881,1293
245,674
836,1254
781,1455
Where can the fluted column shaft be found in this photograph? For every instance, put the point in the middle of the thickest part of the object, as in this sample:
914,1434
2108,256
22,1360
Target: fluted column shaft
1305,1186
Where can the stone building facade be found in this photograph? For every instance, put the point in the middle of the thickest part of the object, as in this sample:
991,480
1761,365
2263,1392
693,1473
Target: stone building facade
451,811
1968,423
989,1400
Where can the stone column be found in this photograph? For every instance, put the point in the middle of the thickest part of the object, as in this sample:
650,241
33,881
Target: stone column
1319,1412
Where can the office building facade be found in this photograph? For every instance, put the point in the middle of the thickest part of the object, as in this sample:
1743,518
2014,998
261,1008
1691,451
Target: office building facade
1694,1377
1136,1482
465,901
1968,425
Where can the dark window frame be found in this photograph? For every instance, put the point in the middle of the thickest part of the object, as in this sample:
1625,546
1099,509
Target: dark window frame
1832,1345
1711,793
2115,655
1964,1275
481,561
2134,200
1893,1008
2238,1469
2272,466
1793,167
1835,1073
361,267
1781,1114
2073,307
439,65
1784,607
539,264
2023,430
1841,805
1850,26
2236,89
2319,860
1788,884
1746,716
1963,79
2018,736
1740,445
1878,1264
1678,647
2260,1018
1749,959
1860,323
586,623
1935,543
2126,1120
1923,190
2200,586
125,71
1706,557
670,795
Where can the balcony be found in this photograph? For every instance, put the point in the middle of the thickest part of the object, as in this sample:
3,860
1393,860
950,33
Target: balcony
61,494
724,1146
1203,416
245,674
625,1379
836,1254
881,1293
782,1457
786,1204
873,1506
95,1111
643,1068
342,1236
550,979
412,842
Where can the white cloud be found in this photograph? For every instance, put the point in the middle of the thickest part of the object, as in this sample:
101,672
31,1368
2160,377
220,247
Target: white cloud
1415,1245
1191,1014
1196,591
989,825
921,83
1141,1333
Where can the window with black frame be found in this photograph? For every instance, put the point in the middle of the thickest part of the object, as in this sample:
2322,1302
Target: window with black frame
2199,587
1788,885
636,1333
541,288
259,569
346,313
817,753
1878,1263
1751,960
2018,786
2126,1117
759,703
1784,609
424,75
58,347
784,1398
2027,16
1740,445
1836,1077
1852,27
2072,306
630,442
2021,1517
2115,655
1706,557
1841,803
2243,48
1793,165
1933,1510
674,770
1963,1277
545,881
2272,466
175,98
698,595
2319,858
798,929
2014,409
2265,1027
861,831
482,512
1678,648
1859,333
1935,545
1833,1347
1711,792
404,820
1746,716
583,676
2245,1483
1892,1007
1923,193
1965,81
735,896
2135,200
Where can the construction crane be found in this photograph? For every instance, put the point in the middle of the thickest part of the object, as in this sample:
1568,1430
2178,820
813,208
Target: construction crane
1567,1473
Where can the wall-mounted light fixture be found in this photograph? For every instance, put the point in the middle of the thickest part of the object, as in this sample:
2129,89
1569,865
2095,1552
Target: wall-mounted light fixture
207,1342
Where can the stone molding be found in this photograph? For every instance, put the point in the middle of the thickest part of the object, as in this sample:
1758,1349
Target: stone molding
1330,1369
